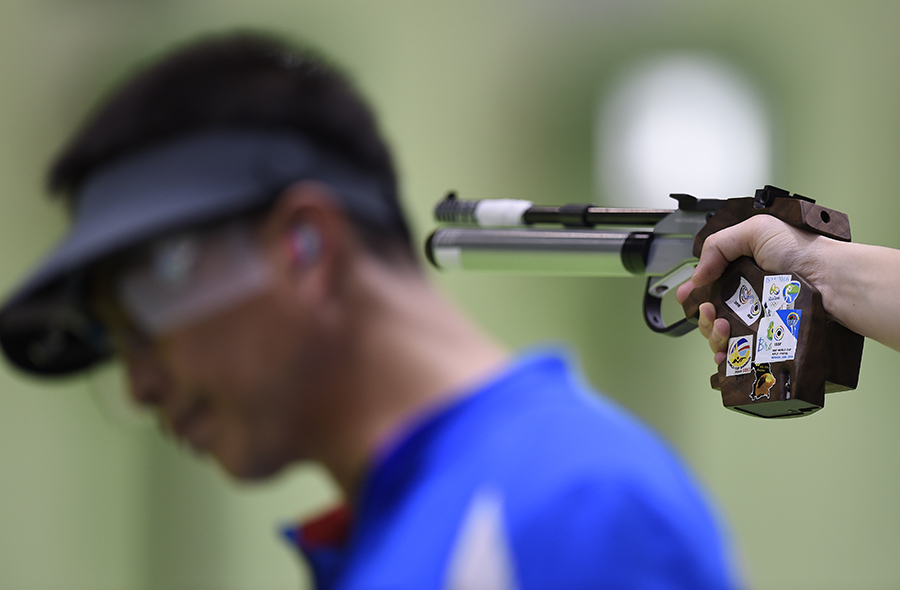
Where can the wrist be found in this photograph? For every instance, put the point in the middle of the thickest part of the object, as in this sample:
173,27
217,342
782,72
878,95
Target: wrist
822,273
843,279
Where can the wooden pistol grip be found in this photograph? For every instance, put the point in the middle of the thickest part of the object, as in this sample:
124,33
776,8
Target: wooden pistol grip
784,352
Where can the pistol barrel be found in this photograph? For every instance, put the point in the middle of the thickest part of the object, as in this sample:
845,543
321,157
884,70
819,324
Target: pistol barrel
542,251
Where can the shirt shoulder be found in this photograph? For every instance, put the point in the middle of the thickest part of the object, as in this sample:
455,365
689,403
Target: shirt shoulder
590,495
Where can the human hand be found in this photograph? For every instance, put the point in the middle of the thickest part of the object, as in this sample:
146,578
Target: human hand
773,244
716,330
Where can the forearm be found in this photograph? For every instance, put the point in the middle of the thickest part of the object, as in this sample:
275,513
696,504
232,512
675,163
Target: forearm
861,288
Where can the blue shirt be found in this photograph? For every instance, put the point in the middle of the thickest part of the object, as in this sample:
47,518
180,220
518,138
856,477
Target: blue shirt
531,482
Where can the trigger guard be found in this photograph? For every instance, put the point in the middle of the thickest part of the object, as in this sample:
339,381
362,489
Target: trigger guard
654,319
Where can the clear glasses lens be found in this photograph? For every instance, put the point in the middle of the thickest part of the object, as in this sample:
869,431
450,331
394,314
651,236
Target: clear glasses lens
192,276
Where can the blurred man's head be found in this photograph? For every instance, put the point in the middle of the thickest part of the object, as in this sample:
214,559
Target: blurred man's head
246,83
222,200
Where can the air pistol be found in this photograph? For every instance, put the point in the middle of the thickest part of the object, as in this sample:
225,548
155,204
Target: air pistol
785,352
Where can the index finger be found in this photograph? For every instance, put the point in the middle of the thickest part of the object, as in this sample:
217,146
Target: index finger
721,248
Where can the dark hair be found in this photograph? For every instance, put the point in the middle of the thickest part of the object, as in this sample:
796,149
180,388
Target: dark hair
240,80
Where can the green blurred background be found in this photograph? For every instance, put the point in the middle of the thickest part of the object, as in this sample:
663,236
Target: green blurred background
493,98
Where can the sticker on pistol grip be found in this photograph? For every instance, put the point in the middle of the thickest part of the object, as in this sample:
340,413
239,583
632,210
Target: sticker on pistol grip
763,382
765,341
776,338
774,293
745,303
789,294
784,346
740,353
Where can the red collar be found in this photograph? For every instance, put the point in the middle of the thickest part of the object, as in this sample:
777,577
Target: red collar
328,530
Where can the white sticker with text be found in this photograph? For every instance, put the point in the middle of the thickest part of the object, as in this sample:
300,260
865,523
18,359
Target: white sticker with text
776,339
773,294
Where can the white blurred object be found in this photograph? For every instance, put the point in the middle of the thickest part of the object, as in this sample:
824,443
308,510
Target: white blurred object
683,123
482,557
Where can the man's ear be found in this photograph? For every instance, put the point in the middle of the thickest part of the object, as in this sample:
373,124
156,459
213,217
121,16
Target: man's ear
303,246
311,231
